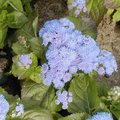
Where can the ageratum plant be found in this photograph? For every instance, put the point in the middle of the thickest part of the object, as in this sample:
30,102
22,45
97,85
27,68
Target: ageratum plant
57,64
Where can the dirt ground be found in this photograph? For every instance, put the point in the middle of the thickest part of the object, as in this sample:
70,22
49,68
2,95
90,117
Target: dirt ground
50,9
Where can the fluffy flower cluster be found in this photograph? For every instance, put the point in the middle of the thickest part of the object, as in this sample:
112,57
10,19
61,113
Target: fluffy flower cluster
64,98
79,5
114,93
69,51
101,116
19,110
24,60
4,107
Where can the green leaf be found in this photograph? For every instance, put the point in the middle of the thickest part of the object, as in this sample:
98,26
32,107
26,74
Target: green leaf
85,28
20,47
115,109
35,26
3,33
16,19
102,89
35,75
26,1
37,47
76,116
56,116
85,98
3,4
96,9
26,31
116,16
39,92
16,5
117,1
37,114
3,28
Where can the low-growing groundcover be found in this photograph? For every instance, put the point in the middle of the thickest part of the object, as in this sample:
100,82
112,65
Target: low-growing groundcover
54,67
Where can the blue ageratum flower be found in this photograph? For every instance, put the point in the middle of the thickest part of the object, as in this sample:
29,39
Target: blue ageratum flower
4,107
79,5
108,62
70,51
63,98
101,116
19,110
24,60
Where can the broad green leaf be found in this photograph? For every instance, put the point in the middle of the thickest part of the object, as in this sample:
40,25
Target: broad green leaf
16,5
20,47
39,92
116,16
85,98
102,89
115,109
96,9
37,114
16,19
76,116
26,31
37,47
83,27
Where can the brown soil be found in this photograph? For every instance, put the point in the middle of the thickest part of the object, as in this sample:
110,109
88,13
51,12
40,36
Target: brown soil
50,9
109,39
3,64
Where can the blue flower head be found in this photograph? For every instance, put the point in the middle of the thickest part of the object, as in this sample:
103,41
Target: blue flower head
24,60
101,116
19,110
79,5
64,98
69,51
4,107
